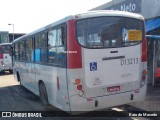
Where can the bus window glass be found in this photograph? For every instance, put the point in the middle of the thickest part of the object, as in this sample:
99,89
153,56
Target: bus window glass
40,48
5,48
56,47
60,56
29,50
59,37
22,51
16,51
60,47
51,55
107,32
52,34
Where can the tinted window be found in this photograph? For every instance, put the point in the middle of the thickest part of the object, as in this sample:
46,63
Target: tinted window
29,50
52,36
21,50
16,51
40,48
106,32
5,48
56,48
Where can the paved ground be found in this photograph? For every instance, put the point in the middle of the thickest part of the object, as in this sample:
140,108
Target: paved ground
152,100
13,97
16,94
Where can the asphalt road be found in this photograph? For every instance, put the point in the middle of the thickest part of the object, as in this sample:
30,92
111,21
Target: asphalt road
14,97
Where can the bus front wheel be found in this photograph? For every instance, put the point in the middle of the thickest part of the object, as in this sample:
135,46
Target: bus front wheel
43,94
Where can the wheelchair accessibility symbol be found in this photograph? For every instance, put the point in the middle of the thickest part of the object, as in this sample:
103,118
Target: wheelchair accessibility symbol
93,66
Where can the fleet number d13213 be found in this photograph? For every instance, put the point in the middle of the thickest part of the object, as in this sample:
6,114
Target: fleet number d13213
129,61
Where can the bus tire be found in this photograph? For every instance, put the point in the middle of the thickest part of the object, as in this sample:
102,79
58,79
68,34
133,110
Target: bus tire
43,94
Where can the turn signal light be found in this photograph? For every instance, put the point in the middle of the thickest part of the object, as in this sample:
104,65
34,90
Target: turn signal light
144,75
77,81
145,72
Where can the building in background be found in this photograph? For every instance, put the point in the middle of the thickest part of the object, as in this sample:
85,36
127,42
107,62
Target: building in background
16,35
6,37
150,10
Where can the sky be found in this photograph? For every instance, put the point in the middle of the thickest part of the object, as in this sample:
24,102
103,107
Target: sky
29,15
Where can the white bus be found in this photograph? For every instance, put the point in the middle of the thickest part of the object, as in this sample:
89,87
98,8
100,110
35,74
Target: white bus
5,57
85,62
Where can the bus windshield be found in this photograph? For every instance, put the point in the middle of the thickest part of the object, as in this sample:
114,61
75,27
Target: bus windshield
108,32
5,48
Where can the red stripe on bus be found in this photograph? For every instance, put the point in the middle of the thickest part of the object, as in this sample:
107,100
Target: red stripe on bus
1,56
74,55
144,48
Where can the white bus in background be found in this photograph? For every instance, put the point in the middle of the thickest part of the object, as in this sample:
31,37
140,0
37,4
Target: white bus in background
5,57
85,62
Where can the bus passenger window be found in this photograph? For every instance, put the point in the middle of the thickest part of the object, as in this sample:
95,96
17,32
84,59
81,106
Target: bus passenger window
37,55
60,47
52,36
51,55
29,50
22,51
108,32
59,38
40,48
56,47
16,51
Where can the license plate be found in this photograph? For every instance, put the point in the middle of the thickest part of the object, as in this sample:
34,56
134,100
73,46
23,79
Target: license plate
113,89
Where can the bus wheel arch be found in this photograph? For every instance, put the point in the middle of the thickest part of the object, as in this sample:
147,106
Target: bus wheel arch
43,93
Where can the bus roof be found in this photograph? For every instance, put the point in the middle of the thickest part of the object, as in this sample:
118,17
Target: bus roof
88,14
109,13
